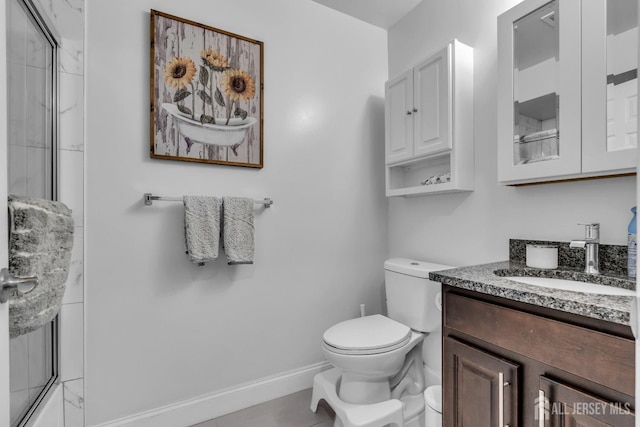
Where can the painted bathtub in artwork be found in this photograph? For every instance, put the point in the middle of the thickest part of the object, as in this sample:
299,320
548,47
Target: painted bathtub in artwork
206,100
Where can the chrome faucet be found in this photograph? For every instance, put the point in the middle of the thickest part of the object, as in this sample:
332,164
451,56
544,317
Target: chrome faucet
590,245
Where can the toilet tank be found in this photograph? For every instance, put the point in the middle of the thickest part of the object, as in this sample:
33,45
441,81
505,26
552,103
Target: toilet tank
411,296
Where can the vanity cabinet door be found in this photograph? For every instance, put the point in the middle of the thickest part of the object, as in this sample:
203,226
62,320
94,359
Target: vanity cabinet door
609,86
561,405
480,389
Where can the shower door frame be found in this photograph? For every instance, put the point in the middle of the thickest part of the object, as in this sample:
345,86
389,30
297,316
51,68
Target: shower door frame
42,22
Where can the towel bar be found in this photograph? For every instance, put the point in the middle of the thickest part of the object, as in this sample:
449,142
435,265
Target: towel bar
148,200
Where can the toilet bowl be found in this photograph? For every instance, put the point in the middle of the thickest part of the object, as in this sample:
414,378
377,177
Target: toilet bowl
369,351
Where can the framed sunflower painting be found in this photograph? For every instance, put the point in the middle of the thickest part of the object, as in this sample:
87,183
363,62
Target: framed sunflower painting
206,94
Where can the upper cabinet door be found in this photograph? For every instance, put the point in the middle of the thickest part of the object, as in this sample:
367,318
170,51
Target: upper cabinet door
399,118
432,125
539,121
609,85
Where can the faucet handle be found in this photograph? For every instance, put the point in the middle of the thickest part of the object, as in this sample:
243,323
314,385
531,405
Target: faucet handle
591,231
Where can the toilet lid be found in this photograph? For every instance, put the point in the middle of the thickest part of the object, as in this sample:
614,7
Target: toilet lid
367,335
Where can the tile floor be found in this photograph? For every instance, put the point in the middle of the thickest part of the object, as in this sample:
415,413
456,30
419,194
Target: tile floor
288,411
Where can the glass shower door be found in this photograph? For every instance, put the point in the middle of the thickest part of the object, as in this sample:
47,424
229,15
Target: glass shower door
32,135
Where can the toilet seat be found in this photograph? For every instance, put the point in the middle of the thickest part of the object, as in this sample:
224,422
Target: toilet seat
366,335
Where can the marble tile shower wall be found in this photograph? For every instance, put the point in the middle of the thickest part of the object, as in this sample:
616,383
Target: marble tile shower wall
67,16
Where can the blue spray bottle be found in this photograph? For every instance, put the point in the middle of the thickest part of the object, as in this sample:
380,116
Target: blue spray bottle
632,246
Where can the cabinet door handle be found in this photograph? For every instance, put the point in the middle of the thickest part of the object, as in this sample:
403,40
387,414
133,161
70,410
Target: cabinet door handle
541,408
409,112
501,385
415,110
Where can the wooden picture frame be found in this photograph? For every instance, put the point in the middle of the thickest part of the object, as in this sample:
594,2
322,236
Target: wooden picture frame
206,94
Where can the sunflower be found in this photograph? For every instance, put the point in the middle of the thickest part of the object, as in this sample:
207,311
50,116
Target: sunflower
238,85
214,59
179,72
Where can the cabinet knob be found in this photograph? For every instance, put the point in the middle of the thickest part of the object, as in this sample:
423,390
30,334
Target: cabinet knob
409,112
415,110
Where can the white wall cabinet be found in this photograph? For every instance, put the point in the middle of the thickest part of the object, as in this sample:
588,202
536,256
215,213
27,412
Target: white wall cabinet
429,125
567,95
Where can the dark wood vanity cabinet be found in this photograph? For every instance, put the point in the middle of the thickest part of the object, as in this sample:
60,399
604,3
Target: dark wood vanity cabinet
512,364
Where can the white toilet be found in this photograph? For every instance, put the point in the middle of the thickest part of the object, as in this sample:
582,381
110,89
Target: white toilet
378,358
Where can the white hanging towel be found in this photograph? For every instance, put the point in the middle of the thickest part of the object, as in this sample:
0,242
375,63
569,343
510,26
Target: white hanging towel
238,230
201,228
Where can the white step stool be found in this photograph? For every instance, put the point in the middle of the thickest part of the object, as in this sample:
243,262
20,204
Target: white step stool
380,414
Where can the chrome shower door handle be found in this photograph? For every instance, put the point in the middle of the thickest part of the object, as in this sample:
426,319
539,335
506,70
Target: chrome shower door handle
10,285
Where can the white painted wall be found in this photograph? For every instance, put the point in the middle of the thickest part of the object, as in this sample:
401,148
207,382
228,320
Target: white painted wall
472,228
160,330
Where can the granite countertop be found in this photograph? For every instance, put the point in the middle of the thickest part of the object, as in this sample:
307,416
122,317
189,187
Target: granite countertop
481,278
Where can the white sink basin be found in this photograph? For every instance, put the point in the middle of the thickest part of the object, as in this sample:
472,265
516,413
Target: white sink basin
571,285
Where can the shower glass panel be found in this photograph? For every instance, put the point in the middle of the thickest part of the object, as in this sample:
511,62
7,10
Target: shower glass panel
32,139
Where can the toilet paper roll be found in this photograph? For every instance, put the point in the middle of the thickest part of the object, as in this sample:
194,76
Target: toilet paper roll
542,256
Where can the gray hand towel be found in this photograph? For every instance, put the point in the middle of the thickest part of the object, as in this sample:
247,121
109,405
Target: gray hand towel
201,227
238,230
40,244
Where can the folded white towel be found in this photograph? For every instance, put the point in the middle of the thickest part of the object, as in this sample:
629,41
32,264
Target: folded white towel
238,230
536,136
201,227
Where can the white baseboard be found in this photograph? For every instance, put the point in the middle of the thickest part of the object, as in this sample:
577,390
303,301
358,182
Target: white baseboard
203,408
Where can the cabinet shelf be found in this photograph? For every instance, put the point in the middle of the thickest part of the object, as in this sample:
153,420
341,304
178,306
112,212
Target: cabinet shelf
429,175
